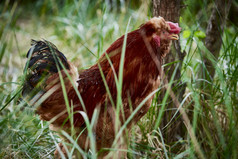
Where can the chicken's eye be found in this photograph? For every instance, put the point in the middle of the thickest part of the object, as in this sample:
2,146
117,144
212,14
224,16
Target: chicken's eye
163,32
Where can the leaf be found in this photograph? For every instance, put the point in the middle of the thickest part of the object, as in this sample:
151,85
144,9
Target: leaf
199,34
186,33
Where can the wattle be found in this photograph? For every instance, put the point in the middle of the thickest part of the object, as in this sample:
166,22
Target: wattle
157,40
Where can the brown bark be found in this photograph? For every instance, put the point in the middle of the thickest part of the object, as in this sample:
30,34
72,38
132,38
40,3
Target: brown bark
215,28
170,10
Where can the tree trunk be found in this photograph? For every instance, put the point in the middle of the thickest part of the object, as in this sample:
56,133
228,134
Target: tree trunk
214,33
170,10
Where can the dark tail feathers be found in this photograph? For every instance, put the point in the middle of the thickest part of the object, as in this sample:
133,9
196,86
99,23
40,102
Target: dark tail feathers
43,61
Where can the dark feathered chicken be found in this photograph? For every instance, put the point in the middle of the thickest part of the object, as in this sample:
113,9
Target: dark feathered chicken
145,48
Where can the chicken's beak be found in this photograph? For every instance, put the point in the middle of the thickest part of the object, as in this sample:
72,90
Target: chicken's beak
173,36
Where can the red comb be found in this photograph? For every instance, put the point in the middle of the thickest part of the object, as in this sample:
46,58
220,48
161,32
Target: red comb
174,27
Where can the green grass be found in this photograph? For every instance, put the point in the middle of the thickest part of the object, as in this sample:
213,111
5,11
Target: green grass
83,33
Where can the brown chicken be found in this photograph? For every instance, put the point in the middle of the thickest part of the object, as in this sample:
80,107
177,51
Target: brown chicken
48,72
